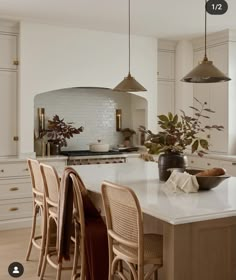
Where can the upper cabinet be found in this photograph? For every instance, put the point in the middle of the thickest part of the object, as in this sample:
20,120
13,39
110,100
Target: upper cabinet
8,51
166,64
8,88
166,77
220,97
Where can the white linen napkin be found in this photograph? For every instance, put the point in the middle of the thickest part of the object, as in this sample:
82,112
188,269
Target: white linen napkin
181,181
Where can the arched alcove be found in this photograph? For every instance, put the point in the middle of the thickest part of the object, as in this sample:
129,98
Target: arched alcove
95,109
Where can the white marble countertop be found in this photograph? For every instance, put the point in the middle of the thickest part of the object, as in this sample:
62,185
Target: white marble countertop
24,158
174,208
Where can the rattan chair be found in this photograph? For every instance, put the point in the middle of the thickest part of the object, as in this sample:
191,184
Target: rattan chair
51,190
38,209
127,242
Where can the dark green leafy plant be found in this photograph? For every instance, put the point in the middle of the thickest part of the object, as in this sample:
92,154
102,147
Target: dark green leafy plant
58,131
179,132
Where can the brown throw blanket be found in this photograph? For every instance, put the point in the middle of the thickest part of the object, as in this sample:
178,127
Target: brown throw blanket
96,244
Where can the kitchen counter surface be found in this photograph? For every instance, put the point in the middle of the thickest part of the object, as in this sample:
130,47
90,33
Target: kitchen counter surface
174,208
20,158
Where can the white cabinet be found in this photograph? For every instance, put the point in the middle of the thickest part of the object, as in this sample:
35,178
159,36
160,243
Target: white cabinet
166,64
16,191
219,96
166,101
197,162
166,77
8,112
8,96
8,51
15,194
206,163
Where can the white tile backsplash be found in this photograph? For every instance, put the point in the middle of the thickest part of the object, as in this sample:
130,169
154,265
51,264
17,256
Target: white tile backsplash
93,108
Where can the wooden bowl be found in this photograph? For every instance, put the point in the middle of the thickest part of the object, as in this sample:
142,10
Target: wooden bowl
207,182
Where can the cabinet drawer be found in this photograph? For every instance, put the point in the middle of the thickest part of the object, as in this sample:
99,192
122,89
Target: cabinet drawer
14,169
230,167
11,190
203,162
15,210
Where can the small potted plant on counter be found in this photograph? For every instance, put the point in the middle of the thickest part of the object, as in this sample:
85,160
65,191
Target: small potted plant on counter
179,132
127,134
58,132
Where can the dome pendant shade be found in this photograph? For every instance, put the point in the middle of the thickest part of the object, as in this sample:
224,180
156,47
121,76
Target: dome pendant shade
205,72
129,84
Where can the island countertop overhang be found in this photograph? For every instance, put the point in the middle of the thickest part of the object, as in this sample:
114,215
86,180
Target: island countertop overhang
173,208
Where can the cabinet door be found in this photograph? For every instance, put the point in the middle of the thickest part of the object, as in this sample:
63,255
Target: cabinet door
229,166
219,104
8,51
166,65
7,113
165,97
219,56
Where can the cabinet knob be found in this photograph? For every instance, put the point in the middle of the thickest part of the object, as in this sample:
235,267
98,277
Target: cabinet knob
208,164
14,189
192,161
16,62
13,209
233,163
26,169
2,170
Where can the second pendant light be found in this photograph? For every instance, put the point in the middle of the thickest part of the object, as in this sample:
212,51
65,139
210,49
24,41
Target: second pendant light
205,72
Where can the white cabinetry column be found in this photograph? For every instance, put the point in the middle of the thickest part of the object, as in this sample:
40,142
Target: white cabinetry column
183,65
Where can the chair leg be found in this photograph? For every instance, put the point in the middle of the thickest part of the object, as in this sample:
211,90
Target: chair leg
43,242
59,267
35,206
76,252
155,274
46,249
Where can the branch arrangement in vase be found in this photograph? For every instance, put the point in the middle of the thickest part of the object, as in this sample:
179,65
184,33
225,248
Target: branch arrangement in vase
59,130
181,131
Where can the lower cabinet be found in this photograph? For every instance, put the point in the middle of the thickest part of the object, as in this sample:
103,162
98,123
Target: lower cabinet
229,166
16,192
207,163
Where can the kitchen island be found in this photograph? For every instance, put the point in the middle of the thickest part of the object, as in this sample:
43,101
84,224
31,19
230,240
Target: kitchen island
199,228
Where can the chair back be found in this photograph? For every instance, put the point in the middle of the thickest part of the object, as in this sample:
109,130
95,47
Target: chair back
123,216
36,177
79,219
51,184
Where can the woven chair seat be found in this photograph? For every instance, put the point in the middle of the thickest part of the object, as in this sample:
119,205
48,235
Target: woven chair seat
153,245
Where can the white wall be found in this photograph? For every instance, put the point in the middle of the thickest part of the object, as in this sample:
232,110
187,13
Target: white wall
54,57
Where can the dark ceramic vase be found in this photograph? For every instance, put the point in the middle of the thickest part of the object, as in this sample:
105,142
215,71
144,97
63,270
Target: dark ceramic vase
55,149
170,160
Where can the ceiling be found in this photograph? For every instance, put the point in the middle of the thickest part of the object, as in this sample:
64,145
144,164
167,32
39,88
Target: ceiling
160,18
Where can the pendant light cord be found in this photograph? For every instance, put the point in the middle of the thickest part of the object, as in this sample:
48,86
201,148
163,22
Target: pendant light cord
205,56
129,37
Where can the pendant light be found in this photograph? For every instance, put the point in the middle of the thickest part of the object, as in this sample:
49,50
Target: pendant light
205,72
129,83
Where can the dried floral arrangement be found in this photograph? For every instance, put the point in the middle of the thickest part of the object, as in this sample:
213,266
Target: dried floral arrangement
179,132
59,130
127,133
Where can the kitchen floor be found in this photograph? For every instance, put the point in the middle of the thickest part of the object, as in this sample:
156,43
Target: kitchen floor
13,247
